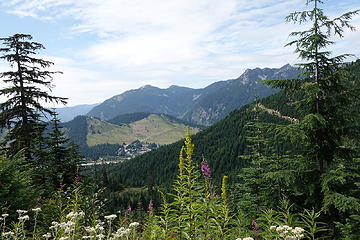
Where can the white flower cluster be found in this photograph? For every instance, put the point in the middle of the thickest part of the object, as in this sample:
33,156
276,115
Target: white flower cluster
88,237
90,229
22,217
67,227
21,212
47,235
98,236
247,238
121,232
289,233
134,224
96,232
36,210
54,225
3,217
99,226
110,217
73,215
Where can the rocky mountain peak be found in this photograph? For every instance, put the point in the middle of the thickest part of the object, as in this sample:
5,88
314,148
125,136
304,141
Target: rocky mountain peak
251,76
147,86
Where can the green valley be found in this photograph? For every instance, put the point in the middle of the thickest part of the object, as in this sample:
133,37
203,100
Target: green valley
99,138
155,128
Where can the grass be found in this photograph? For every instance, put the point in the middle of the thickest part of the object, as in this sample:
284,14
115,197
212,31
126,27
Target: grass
153,129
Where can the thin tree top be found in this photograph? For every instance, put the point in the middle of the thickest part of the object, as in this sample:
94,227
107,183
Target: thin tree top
19,48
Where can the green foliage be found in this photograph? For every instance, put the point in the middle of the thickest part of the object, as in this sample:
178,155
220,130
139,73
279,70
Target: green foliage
55,159
195,212
348,226
313,227
128,118
185,193
27,86
326,97
17,190
271,170
63,158
275,222
65,216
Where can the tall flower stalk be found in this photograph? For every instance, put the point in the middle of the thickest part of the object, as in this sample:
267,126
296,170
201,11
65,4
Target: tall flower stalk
36,211
185,191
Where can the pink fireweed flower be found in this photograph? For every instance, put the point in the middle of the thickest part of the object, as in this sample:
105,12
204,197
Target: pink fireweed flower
205,169
254,225
129,209
150,207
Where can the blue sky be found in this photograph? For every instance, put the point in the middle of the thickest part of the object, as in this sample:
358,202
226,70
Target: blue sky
105,47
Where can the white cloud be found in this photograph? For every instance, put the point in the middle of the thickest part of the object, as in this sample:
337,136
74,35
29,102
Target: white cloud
185,37
78,83
164,42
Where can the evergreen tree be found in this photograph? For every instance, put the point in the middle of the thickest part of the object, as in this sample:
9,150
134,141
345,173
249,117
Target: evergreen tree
40,157
25,81
325,95
17,190
64,157
267,179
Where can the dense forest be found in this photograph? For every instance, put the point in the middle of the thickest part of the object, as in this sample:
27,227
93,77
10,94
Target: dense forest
283,167
222,145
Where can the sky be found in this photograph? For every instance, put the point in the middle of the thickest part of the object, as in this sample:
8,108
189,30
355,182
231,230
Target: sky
105,47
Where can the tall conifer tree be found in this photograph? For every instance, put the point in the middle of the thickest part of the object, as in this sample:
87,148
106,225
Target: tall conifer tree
25,93
64,157
325,95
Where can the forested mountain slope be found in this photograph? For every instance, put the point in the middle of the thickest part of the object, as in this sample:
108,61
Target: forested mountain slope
220,98
222,144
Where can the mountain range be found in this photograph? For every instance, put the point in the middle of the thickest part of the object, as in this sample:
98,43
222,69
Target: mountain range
199,106
223,144
154,115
